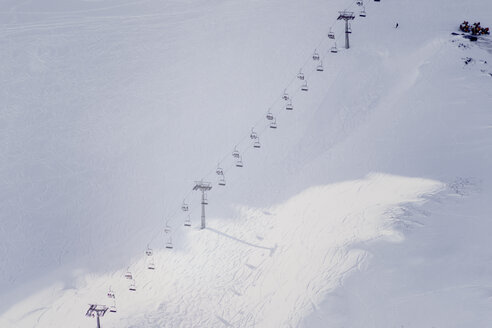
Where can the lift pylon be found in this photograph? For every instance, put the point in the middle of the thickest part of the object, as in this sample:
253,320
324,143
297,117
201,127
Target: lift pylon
346,16
203,187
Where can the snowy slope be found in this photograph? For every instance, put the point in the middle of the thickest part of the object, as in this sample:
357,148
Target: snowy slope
111,110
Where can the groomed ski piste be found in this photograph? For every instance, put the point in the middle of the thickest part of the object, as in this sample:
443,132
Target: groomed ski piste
368,205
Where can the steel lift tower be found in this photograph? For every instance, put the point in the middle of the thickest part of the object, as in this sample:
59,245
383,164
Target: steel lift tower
203,187
97,311
346,16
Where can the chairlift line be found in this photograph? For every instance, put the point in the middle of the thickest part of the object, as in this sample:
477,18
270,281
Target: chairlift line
239,163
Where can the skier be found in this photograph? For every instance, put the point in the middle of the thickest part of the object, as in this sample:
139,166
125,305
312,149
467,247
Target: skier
396,25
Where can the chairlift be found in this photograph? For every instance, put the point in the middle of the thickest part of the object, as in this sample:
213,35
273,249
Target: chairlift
289,106
360,3
184,207
320,67
273,125
257,144
334,49
304,87
222,181
362,13
133,287
235,153
151,265
187,222
110,293
167,228
377,0
204,200
149,251
331,35
239,162
269,116
315,55
349,28
253,134
128,275
285,96
300,75
219,171
112,309
169,243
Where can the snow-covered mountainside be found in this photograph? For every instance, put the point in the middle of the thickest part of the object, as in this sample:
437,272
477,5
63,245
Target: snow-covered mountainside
368,206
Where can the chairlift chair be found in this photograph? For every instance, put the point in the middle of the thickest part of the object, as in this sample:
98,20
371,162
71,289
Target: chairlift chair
169,243
133,287
205,200
253,134
128,275
349,28
273,125
300,75
285,96
110,293
219,171
257,144
222,181
167,228
315,55
360,3
334,49
235,153
151,265
149,251
331,35
289,106
269,116
184,207
304,87
112,309
239,162
187,222
363,13
320,67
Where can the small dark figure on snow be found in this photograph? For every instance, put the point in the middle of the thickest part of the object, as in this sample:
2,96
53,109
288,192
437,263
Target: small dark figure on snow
396,26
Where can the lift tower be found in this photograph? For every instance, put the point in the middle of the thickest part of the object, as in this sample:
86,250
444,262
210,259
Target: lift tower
203,187
346,16
96,310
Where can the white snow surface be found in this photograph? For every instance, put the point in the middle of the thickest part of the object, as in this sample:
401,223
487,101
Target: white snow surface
369,206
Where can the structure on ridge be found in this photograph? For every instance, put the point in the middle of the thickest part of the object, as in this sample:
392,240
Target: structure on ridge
97,311
203,187
346,16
